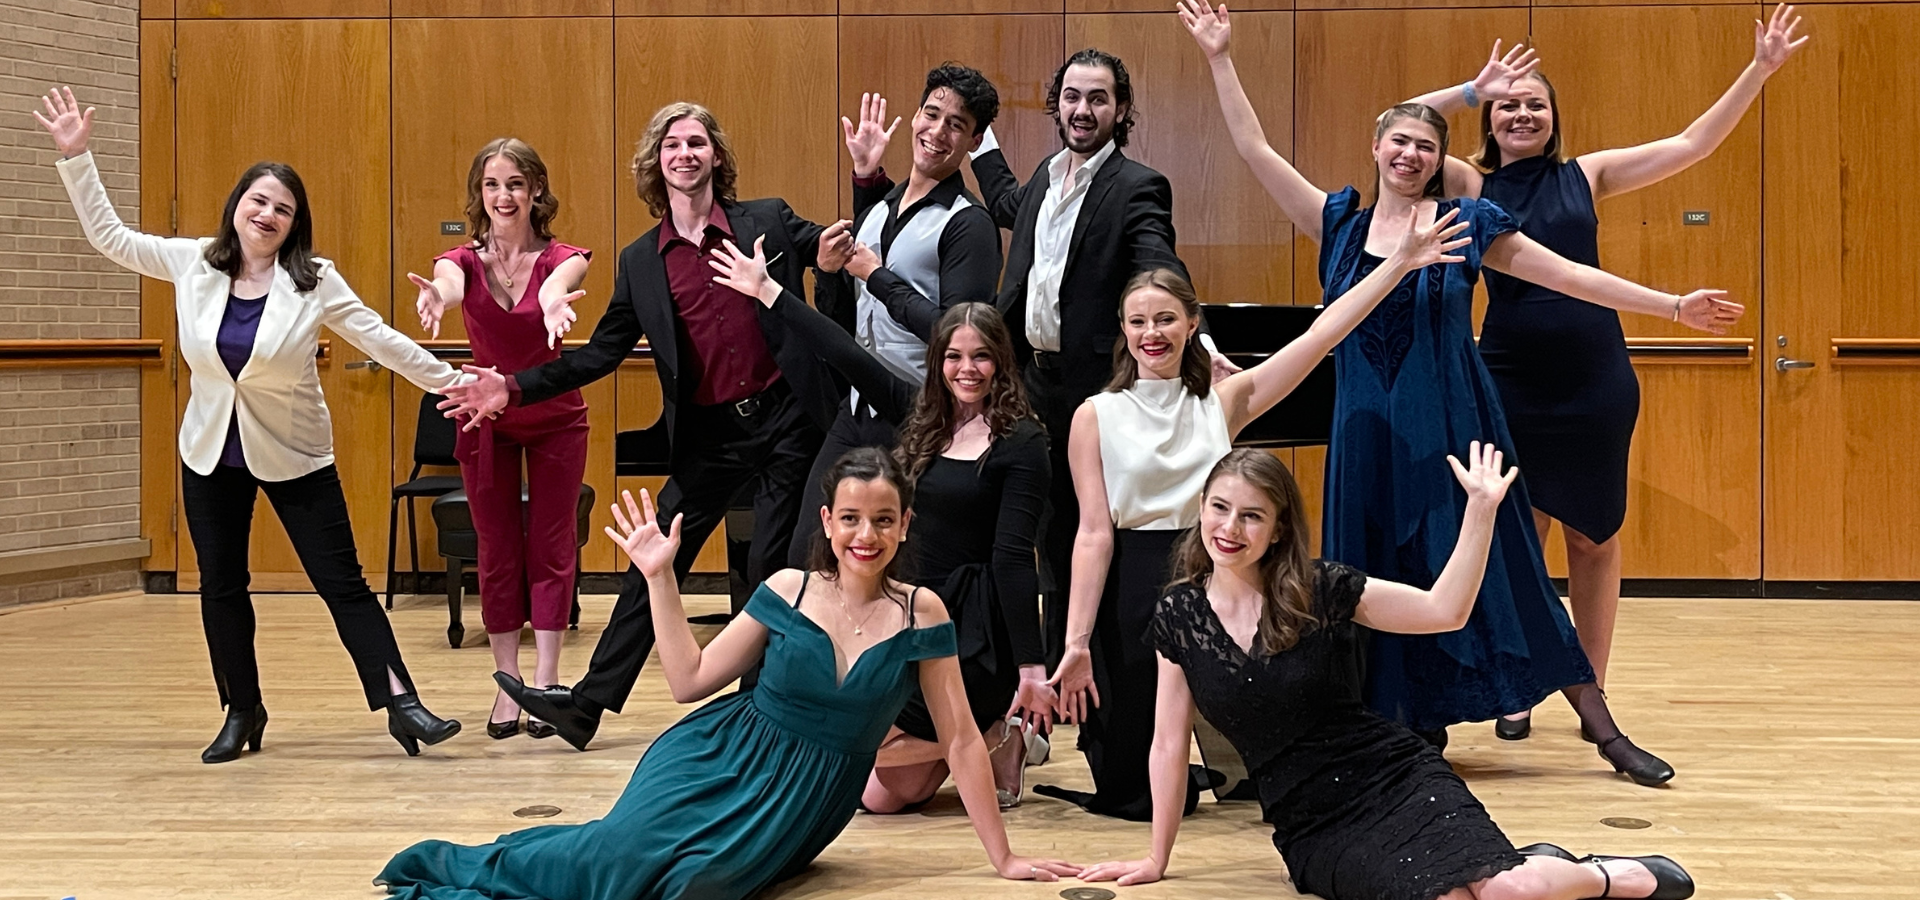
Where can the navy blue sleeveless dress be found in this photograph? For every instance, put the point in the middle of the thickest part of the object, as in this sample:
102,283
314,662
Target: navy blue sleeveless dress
1413,390
1561,364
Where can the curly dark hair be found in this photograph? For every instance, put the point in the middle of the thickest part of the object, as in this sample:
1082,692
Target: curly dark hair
929,430
1122,91
976,93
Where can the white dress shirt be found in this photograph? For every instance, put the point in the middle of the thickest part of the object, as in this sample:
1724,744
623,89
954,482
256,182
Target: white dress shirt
1052,237
285,429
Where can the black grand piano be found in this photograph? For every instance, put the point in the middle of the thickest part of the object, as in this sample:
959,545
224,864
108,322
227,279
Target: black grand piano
1250,332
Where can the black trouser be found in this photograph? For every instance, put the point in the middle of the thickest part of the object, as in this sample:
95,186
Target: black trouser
1055,391
313,510
721,451
850,430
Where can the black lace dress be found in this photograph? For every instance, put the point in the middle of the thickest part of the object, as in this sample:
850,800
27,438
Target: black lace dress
1361,808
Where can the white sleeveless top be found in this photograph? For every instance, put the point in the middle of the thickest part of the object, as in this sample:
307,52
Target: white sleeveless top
1158,442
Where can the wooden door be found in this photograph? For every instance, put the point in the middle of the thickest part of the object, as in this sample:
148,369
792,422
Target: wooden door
312,94
1842,439
1693,502
445,108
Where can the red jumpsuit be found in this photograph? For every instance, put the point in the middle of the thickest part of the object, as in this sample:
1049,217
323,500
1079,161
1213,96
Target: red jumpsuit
527,561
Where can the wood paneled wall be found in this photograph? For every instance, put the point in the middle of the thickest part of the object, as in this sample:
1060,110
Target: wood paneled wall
382,103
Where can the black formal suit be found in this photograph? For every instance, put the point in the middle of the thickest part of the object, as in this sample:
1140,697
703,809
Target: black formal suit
1125,226
767,441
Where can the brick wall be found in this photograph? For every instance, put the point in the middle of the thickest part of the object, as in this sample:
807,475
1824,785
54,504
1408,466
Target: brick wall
69,438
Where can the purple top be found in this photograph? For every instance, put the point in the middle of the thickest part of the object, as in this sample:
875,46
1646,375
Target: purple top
238,325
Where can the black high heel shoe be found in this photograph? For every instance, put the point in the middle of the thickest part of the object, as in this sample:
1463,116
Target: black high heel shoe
1552,850
1670,881
243,726
500,731
1646,769
410,724
1512,729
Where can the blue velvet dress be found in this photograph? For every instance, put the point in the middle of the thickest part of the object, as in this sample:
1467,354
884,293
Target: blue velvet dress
741,793
1413,390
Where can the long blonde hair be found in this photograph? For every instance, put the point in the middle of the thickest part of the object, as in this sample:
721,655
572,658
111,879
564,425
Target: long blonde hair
1286,569
647,179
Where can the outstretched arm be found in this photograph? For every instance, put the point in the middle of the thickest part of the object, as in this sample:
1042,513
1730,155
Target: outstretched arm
1619,171
342,310
1001,192
1246,395
966,755
1404,609
149,255
1167,773
446,289
557,295
1522,257
693,673
1298,198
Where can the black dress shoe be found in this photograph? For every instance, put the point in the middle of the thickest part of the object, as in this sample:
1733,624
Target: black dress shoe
1644,768
411,724
243,726
1670,881
1513,729
500,731
537,729
554,706
1552,850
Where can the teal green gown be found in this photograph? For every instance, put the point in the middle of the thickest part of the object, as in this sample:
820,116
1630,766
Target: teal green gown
741,793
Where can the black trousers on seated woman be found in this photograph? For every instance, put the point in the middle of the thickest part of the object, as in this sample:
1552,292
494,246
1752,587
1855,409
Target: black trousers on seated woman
313,509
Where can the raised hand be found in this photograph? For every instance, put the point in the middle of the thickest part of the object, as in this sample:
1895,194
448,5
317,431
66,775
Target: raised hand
1426,245
1222,367
1773,40
64,120
1482,477
836,247
1133,871
1028,868
1208,25
559,317
743,273
651,549
1073,681
477,400
431,306
1709,311
1496,80
867,141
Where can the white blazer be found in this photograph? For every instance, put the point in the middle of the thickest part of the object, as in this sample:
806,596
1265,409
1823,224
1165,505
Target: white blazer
285,431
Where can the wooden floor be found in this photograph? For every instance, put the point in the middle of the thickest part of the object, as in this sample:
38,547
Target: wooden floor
1793,726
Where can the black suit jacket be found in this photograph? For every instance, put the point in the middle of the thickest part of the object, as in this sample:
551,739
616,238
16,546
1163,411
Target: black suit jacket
1125,226
642,306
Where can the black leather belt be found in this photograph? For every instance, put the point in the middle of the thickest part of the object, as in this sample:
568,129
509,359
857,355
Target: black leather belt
1048,359
758,404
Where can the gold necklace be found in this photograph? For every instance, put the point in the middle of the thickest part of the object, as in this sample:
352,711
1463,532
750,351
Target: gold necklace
857,626
507,278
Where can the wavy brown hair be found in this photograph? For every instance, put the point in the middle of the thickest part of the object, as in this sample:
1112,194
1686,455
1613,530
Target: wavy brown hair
1196,370
545,204
860,464
647,179
1286,569
1436,186
296,252
928,432
1488,156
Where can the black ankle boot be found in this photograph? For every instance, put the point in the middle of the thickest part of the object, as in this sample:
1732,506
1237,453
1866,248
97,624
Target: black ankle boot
1644,768
411,724
243,726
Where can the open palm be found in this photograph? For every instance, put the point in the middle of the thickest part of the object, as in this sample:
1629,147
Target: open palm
1208,25
1481,477
559,317
1496,79
1425,245
1774,41
69,125
650,549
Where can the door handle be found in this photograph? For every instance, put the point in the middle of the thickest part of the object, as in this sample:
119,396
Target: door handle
373,365
1782,364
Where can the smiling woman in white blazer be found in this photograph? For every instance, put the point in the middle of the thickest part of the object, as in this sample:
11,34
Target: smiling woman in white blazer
250,303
